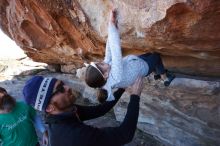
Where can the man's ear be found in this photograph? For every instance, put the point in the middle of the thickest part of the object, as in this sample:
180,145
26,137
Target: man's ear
50,108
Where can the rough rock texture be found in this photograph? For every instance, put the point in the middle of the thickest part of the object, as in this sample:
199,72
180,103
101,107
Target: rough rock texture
185,114
69,32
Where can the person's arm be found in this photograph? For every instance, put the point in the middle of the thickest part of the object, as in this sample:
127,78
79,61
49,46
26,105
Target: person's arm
125,132
91,112
38,123
108,55
115,48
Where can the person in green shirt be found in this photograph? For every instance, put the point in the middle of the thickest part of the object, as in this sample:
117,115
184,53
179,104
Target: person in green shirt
17,123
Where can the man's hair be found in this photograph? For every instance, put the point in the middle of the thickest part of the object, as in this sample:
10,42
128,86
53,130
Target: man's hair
102,95
93,77
7,102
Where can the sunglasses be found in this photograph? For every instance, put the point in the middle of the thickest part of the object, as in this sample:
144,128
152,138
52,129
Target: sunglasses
59,89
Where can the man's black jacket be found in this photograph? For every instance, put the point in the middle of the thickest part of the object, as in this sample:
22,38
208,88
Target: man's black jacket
67,129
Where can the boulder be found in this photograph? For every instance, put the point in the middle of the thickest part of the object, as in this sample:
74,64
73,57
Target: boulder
67,32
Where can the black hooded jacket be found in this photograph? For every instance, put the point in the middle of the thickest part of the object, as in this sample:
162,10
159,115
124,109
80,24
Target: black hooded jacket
68,129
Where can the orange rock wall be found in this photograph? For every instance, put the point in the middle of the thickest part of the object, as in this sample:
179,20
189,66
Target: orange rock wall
70,32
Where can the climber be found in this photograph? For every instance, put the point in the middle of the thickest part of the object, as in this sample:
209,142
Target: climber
118,72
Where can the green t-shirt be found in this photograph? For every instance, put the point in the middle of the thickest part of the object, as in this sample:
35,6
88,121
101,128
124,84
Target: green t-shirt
17,128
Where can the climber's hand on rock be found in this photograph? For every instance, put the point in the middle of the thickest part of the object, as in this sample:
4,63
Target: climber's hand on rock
113,16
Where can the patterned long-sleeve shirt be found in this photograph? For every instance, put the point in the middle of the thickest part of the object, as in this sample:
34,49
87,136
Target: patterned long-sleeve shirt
124,71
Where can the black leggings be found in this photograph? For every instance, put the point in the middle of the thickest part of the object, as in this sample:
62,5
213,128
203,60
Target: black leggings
154,62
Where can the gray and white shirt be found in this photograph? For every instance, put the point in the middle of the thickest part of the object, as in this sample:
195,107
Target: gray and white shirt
124,71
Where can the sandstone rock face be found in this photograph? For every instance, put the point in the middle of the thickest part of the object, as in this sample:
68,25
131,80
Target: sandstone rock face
185,114
70,32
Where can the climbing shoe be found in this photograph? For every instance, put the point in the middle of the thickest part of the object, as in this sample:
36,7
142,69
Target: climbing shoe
169,79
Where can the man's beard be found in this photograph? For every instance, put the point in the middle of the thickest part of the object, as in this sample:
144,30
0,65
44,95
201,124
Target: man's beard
67,104
63,107
7,103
